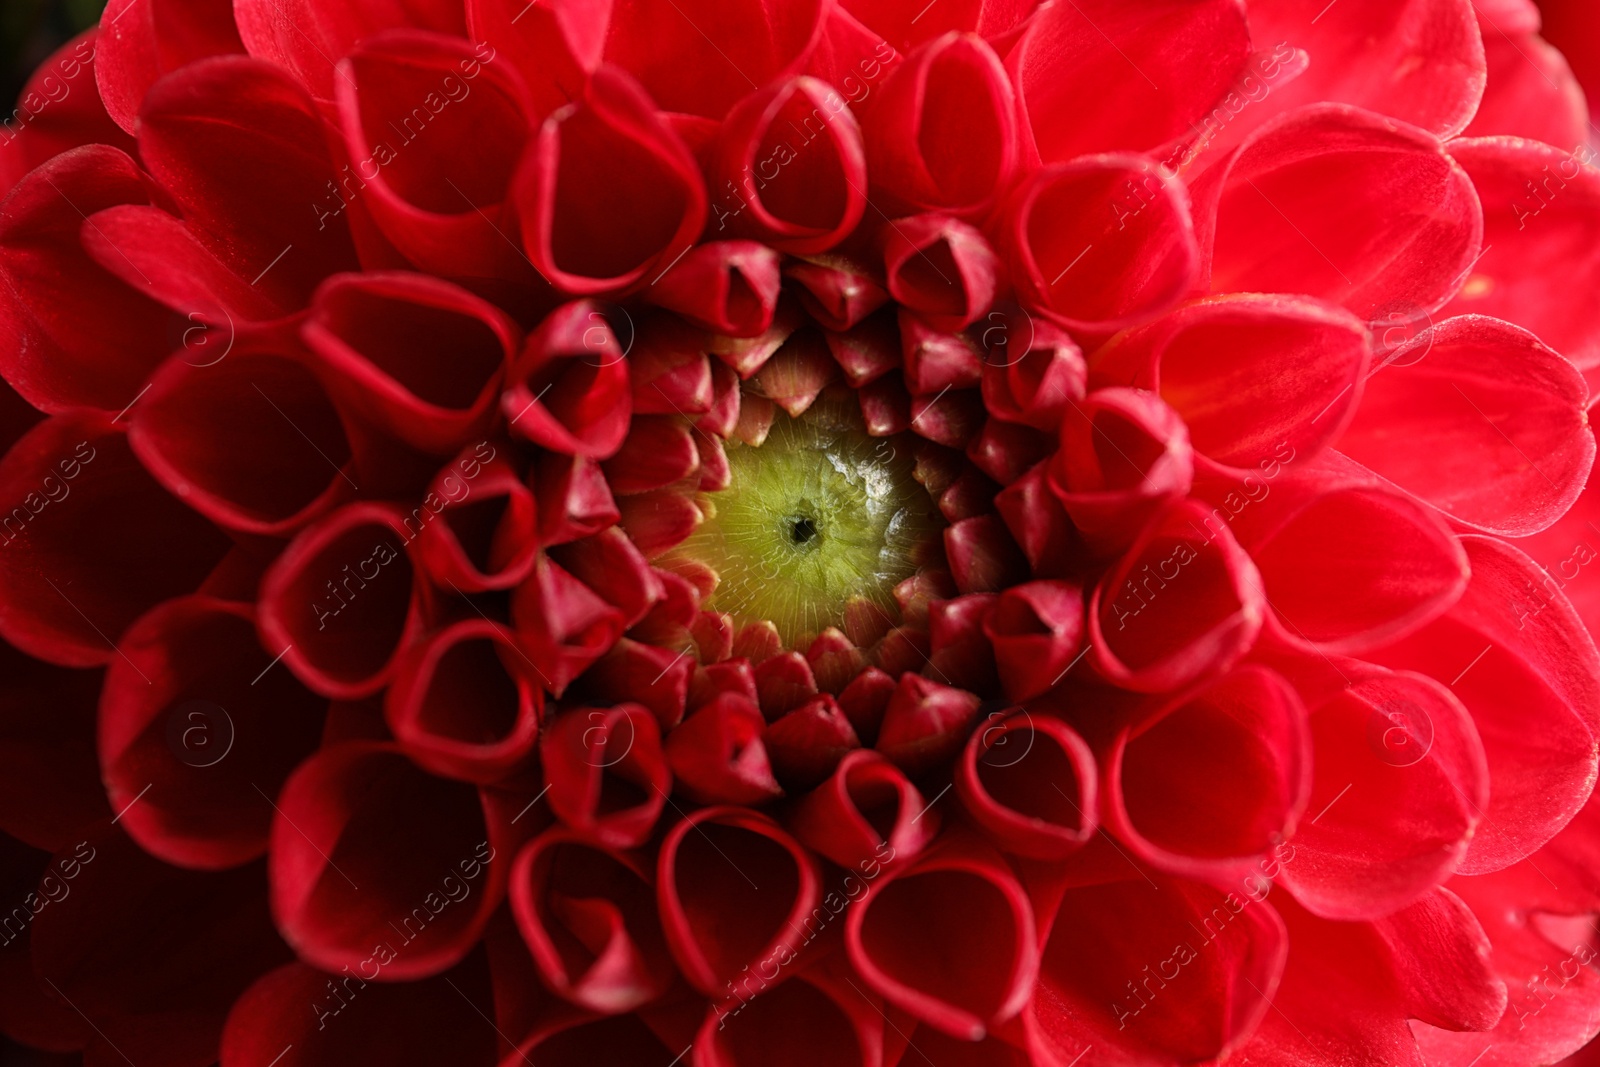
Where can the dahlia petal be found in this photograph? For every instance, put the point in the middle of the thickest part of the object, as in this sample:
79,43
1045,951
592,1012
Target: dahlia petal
1421,61
343,600
53,116
1541,217
718,756
937,360
1476,400
240,149
941,136
1030,782
252,442
783,682
732,888
564,1041
1124,455
902,22
817,189
433,129
659,521
575,499
183,728
865,700
91,541
639,673
574,359
588,916
1553,1002
1205,785
465,703
407,1024
948,1051
1038,523
377,337
817,1018
1202,627
74,334
728,287
731,45
1031,372
983,557
1428,961
1532,693
554,45
362,835
131,53
1530,92
1347,207
126,952
607,194
961,653
940,268
308,39
658,451
670,370
1399,783
807,744
611,566
839,294
607,776
1250,375
1120,225
486,536
1110,53
959,900
50,783
867,815
925,723
797,373
1392,565
1112,947
1037,632
157,254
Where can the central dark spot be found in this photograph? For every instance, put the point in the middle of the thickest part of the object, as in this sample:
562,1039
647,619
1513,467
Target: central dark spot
802,529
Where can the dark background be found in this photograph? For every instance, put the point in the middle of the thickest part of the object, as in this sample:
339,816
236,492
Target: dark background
30,30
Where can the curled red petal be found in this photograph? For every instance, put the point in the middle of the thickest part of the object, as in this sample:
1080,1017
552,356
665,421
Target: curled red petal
343,600
717,755
941,268
941,137
607,194
1037,632
733,889
1204,599
958,899
1207,784
377,337
588,916
487,535
465,702
867,812
194,726
817,1018
141,40
1102,242
247,435
380,867
607,774
925,723
568,390
1124,455
728,287
1030,782
91,541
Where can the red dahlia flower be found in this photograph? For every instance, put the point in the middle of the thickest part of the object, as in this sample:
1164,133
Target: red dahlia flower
851,533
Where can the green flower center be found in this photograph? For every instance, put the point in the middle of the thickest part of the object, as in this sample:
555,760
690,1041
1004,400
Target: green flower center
819,522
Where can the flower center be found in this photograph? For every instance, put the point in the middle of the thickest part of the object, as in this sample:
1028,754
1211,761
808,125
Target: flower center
819,522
